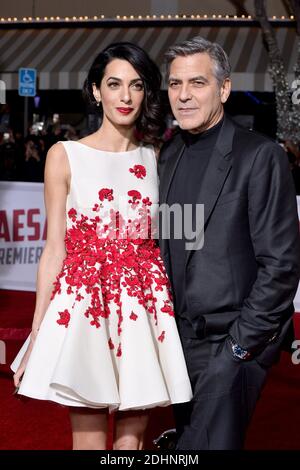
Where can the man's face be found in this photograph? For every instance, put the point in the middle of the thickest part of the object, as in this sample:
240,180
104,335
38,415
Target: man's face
195,96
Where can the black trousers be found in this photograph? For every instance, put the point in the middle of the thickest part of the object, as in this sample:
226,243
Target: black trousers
225,390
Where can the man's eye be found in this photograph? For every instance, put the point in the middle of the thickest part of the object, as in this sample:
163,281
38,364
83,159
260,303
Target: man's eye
199,83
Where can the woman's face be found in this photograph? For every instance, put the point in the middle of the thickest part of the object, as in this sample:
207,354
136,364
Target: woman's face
121,93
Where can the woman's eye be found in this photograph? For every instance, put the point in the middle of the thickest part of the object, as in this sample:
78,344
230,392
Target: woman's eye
173,84
138,86
113,84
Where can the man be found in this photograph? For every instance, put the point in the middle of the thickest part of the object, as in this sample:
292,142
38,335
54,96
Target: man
233,297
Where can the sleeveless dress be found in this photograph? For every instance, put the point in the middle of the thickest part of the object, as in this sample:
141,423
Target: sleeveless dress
109,336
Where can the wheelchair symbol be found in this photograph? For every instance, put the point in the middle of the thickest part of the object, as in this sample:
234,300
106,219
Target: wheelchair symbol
27,78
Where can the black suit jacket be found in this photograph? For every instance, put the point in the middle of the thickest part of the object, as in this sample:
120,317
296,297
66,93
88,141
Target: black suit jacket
245,277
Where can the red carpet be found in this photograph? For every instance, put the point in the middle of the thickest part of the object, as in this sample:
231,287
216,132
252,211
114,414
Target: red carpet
34,424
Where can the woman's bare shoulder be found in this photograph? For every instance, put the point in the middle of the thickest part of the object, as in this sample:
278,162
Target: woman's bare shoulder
57,160
57,151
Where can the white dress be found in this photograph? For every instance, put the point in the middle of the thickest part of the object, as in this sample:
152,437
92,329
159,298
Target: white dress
109,336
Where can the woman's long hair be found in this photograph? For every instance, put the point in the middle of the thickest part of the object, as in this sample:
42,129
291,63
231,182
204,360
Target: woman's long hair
150,123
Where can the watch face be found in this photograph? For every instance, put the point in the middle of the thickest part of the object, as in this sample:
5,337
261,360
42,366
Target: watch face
240,352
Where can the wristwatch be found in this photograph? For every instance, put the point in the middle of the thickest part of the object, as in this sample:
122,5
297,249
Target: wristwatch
238,351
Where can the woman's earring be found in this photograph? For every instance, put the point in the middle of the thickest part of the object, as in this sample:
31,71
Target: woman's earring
98,103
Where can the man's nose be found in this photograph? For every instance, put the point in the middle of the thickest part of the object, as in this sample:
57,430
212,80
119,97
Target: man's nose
185,93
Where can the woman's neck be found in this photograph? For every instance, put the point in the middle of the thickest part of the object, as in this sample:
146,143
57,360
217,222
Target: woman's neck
116,138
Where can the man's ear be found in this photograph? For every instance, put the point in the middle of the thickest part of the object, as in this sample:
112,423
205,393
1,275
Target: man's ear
225,90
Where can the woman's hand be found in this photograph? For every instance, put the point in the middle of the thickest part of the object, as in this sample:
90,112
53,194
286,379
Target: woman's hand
21,369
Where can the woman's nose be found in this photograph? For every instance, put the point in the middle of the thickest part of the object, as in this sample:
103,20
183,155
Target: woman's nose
126,95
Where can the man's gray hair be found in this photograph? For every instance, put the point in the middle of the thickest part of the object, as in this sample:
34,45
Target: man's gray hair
194,46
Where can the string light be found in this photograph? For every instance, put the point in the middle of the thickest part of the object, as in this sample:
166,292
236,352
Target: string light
140,17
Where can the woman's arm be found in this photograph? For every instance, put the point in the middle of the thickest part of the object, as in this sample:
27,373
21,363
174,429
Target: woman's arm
57,177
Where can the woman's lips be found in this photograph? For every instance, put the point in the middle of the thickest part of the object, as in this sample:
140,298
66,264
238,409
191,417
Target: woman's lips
125,110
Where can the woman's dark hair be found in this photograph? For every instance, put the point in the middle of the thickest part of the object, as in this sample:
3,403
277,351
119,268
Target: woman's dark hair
150,123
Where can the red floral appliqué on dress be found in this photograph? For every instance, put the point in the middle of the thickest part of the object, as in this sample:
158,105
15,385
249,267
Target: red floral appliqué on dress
139,171
135,198
119,351
72,214
106,193
133,316
167,308
161,338
147,201
104,259
64,318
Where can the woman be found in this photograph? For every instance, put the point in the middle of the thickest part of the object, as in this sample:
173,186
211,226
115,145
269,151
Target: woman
107,338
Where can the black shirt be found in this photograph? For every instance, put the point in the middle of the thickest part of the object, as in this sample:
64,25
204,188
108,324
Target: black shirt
184,189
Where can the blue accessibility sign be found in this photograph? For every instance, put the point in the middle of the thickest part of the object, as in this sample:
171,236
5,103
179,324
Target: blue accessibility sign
27,82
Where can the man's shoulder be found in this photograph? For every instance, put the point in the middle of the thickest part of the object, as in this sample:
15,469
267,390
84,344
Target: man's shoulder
252,146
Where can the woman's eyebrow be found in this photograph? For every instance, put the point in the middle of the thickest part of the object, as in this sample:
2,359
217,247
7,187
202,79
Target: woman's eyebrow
119,79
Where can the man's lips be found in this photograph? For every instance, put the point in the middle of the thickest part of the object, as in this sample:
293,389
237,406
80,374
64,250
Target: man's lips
186,111
125,110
